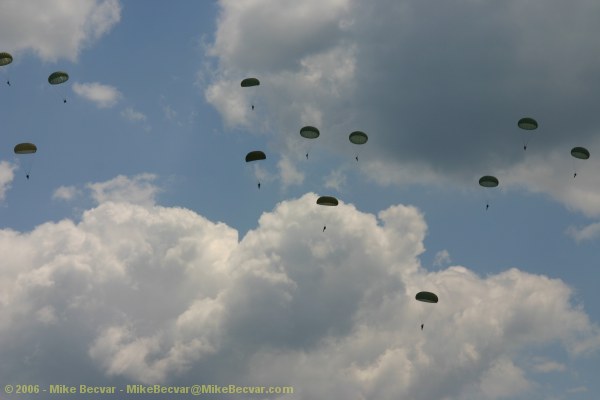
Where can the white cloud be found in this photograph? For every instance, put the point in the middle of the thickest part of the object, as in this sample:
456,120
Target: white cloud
156,294
133,115
55,29
103,95
290,175
136,190
441,257
65,193
588,232
7,174
335,180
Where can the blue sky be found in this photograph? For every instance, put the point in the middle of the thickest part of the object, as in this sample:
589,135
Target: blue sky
141,250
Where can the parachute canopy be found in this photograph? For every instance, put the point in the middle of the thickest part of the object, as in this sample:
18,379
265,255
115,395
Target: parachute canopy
255,155
358,137
580,152
250,82
5,59
309,132
527,123
58,77
488,181
25,148
427,297
327,201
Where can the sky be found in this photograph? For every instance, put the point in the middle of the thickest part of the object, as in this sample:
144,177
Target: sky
141,250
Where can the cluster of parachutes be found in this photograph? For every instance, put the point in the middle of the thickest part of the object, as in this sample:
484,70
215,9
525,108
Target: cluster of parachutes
530,124
307,132
55,78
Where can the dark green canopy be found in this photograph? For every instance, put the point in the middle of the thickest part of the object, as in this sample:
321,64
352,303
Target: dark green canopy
527,123
58,77
255,155
327,201
25,148
358,137
309,132
5,59
250,82
488,181
427,297
580,152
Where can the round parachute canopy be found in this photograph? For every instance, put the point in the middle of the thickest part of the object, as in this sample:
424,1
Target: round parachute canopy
309,132
488,181
255,155
427,297
327,201
58,77
527,123
5,59
250,82
358,137
25,148
580,152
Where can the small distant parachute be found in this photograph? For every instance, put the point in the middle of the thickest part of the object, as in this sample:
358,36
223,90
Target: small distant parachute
58,77
488,181
327,201
527,123
25,148
358,137
309,132
5,59
580,152
255,155
250,82
427,297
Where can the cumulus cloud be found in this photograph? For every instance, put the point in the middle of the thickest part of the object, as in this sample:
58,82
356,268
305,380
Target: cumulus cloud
55,29
441,257
138,190
133,115
156,294
7,174
65,193
103,95
442,103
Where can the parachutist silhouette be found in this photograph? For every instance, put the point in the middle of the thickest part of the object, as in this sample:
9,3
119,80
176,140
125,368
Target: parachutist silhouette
258,185
253,106
325,227
422,325
356,158
487,206
525,147
27,176
8,83
307,156
64,100
575,174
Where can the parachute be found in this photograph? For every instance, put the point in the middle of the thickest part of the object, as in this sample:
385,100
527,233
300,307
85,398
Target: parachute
255,155
250,82
528,124
327,201
5,59
358,137
58,77
488,181
581,153
427,297
309,132
26,148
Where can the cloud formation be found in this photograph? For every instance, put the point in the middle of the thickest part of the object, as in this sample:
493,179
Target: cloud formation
156,294
103,95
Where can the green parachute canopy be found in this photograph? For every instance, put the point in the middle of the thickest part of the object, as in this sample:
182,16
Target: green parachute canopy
488,181
527,123
327,201
58,77
5,59
427,297
309,132
255,155
580,152
25,148
358,137
250,82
